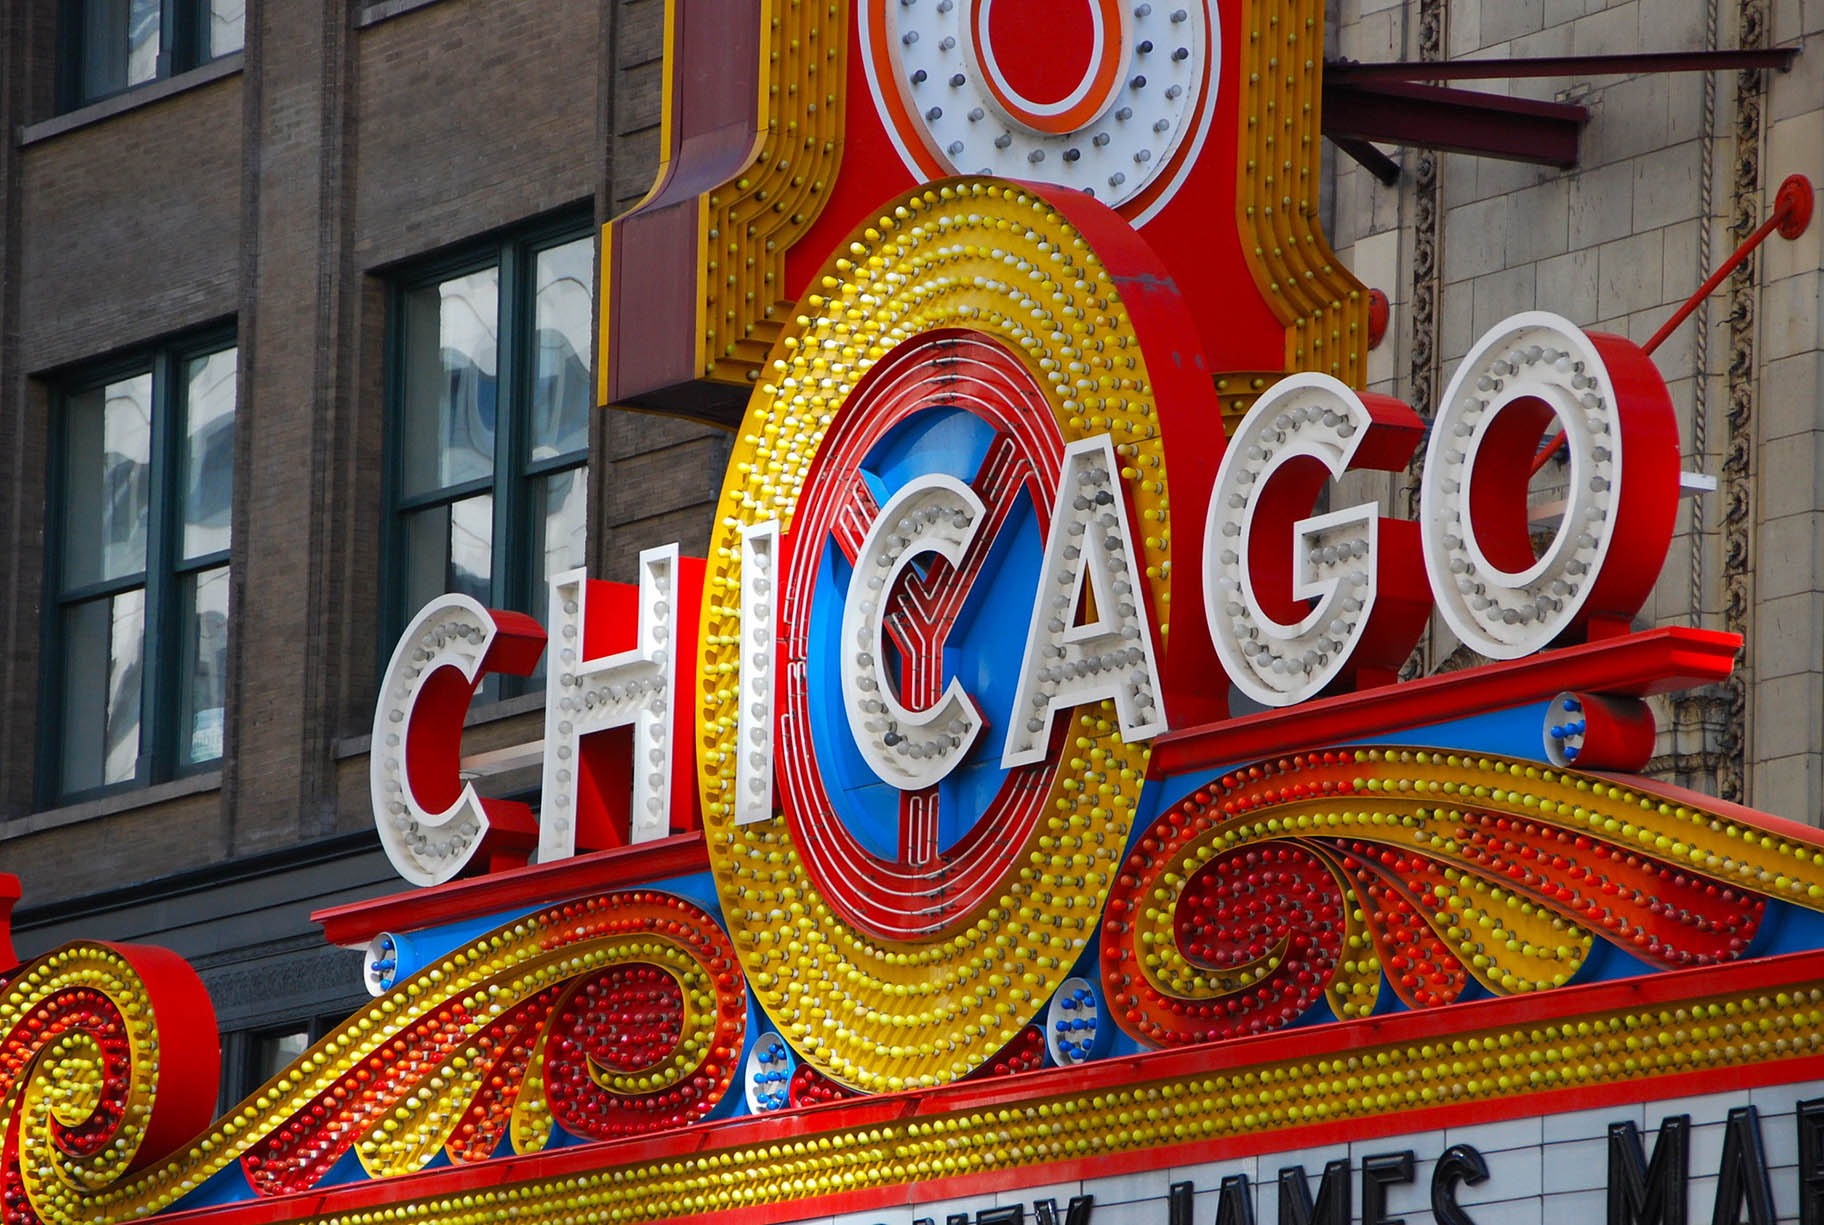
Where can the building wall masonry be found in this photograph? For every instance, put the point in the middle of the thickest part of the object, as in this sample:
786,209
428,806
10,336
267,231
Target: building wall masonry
279,190
1617,244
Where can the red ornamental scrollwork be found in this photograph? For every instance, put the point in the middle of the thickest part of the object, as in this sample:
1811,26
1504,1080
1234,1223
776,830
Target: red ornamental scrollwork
300,1150
617,1059
88,1094
612,1016
1329,877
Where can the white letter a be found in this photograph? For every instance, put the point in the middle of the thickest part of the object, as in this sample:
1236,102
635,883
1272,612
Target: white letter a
1109,657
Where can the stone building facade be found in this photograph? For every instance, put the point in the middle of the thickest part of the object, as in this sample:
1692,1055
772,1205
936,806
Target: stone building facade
1674,169
285,195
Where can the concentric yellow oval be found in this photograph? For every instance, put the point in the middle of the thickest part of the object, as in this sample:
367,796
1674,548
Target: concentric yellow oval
1002,260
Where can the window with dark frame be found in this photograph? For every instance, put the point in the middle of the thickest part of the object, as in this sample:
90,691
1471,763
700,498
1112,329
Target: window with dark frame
251,1057
136,638
110,46
490,397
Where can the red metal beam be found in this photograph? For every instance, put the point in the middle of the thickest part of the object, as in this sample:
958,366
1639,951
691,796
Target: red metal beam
1454,120
1654,661
356,923
1344,72
1369,158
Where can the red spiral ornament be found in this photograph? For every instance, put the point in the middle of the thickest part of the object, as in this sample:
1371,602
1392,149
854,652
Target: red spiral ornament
1326,877
1420,967
81,1033
79,1011
506,1050
601,994
1264,924
616,1031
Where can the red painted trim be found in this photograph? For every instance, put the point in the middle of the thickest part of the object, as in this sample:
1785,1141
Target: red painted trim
515,889
1654,661
1659,989
10,893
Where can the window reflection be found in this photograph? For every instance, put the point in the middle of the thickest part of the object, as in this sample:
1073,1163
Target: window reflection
120,44
204,675
104,641
492,416
451,387
227,27
561,391
209,454
107,481
472,547
273,1053
450,548
122,602
115,45
562,524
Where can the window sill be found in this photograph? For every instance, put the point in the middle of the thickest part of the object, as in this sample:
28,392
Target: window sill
493,712
109,805
131,100
383,10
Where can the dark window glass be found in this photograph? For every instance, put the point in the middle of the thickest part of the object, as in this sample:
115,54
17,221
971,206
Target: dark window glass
491,397
273,1053
103,660
120,44
140,572
114,45
252,1057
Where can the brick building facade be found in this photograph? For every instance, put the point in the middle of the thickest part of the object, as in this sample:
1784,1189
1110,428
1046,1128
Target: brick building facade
279,193
285,194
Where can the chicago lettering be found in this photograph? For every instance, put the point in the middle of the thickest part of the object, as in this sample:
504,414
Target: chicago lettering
1296,604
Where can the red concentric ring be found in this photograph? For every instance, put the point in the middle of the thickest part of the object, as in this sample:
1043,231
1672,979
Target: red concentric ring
906,898
1073,82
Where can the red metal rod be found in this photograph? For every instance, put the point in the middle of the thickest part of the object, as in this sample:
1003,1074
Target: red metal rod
1791,216
1729,265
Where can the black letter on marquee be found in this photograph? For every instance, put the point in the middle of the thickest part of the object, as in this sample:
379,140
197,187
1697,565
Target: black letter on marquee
1007,1214
1743,1178
1378,1173
1460,1163
1811,1162
1046,1210
1642,1194
1234,1205
1179,1202
1332,1196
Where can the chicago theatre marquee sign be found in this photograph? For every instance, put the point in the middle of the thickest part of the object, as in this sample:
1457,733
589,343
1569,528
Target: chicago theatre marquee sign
1016,815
